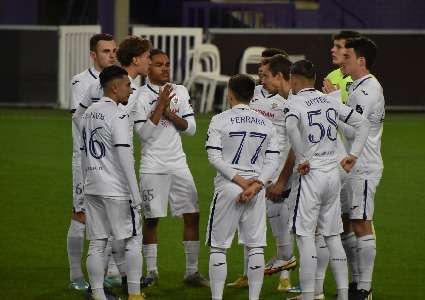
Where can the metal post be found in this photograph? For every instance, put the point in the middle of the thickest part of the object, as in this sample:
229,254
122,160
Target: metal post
121,17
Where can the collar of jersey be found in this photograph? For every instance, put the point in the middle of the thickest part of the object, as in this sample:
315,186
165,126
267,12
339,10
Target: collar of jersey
108,100
307,90
356,83
241,106
93,72
153,87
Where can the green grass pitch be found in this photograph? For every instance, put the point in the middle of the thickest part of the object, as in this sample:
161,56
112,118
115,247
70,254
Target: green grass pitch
35,193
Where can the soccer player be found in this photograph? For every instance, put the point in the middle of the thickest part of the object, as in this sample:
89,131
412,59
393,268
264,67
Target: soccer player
110,183
311,122
163,112
103,54
366,97
268,100
243,146
337,78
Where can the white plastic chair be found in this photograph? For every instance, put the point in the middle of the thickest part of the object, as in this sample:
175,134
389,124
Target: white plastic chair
206,70
251,55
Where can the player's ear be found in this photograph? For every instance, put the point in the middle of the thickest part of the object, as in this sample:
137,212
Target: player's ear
93,55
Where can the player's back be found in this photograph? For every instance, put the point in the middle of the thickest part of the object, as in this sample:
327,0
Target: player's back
245,135
317,117
103,174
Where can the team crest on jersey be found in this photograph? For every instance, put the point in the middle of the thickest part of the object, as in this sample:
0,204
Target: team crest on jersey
123,116
285,110
347,86
274,105
364,92
359,109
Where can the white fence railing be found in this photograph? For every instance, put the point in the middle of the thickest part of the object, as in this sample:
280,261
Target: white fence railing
176,42
74,57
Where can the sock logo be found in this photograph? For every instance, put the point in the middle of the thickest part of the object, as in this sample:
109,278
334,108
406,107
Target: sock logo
255,267
219,264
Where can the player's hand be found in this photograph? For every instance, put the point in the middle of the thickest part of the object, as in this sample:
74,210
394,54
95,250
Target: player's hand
165,96
244,183
304,168
250,192
328,87
348,162
274,191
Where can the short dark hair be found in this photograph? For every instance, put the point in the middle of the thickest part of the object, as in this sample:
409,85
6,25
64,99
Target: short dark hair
304,68
131,46
346,34
99,37
279,64
364,47
110,73
269,52
242,86
156,52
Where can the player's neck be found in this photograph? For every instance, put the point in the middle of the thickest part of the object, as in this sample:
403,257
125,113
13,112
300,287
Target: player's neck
359,74
157,83
131,72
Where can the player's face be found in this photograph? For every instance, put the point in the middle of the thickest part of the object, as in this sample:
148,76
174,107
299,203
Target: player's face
123,90
143,62
351,62
337,52
159,69
270,83
105,54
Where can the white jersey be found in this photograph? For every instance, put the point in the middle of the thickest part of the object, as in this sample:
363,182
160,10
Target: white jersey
162,152
367,98
317,122
241,141
271,107
105,127
80,83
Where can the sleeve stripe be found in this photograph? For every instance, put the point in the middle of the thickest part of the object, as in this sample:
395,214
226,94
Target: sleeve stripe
215,148
122,145
83,106
291,115
188,115
349,115
73,111
272,151
140,121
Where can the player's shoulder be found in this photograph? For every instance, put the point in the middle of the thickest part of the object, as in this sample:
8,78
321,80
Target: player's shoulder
85,77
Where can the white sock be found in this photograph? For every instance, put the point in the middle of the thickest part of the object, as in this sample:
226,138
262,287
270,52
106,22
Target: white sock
284,247
75,245
99,294
366,246
217,272
134,265
118,256
322,263
191,250
338,262
107,254
95,267
255,272
245,260
308,264
349,241
150,255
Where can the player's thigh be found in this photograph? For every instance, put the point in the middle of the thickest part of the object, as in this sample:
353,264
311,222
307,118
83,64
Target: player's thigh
362,193
155,190
252,223
183,194
224,216
77,189
97,223
307,204
123,219
330,221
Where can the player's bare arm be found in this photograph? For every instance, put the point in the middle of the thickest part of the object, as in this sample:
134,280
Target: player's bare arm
180,123
165,96
275,190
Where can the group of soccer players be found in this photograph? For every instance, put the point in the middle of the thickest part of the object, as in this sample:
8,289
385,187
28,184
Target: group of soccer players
308,161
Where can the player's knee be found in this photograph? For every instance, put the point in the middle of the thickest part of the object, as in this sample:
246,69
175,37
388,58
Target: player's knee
191,219
97,246
362,227
132,243
255,250
76,229
216,250
150,224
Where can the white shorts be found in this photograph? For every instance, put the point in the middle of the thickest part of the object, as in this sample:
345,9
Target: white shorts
77,189
317,205
107,216
226,216
176,188
361,196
